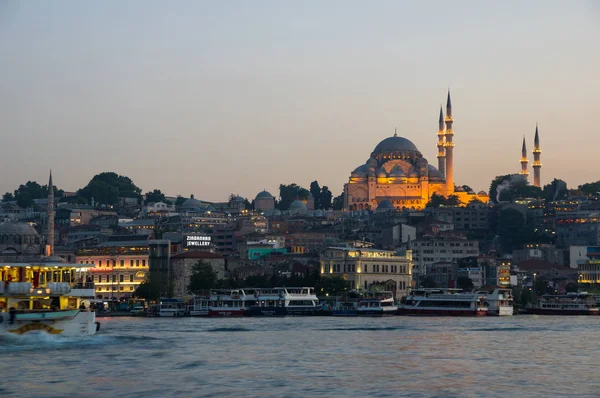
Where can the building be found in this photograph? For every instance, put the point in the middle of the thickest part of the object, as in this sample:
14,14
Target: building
442,247
366,268
182,264
119,265
159,210
580,228
539,251
397,172
264,201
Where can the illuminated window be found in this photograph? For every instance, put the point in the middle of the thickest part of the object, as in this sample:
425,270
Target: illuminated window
131,278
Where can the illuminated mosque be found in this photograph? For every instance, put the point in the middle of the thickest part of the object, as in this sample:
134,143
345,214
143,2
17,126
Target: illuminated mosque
537,164
396,175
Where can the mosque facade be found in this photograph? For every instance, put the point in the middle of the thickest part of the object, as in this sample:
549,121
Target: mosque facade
397,173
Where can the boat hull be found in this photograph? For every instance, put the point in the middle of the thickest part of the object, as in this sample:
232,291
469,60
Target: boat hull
502,311
540,311
82,323
440,312
226,312
376,312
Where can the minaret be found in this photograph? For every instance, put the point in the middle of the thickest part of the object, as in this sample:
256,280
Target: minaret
524,160
449,146
440,145
537,165
50,243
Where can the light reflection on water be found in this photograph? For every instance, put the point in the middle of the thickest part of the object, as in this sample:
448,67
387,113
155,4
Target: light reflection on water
391,357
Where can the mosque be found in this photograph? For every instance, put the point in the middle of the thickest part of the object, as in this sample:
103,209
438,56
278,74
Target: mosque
397,175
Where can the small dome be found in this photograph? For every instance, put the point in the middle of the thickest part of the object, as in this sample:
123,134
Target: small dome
482,193
297,205
382,173
395,143
17,228
371,162
53,259
459,189
264,195
434,174
385,205
360,171
397,171
192,204
237,198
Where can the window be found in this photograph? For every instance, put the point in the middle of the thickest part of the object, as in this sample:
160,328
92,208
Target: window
121,278
131,263
114,279
131,278
122,263
143,263
121,288
99,263
131,288
137,262
114,263
366,267
99,278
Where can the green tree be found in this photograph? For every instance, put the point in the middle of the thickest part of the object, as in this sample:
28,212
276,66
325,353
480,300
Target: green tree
315,191
512,230
590,188
106,188
290,193
465,283
203,277
325,198
556,190
7,197
154,287
179,201
428,282
572,287
24,200
511,186
338,202
155,196
440,200
331,285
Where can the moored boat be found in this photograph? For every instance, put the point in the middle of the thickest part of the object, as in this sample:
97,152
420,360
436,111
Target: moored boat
568,304
376,304
281,301
227,302
171,307
443,302
500,302
47,298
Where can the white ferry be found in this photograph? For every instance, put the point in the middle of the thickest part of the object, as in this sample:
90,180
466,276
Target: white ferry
443,302
171,307
281,301
227,302
200,305
500,302
47,298
568,304
376,304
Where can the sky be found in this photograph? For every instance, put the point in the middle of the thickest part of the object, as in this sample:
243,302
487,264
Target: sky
217,97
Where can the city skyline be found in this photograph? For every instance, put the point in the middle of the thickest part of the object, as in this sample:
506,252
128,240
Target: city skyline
213,99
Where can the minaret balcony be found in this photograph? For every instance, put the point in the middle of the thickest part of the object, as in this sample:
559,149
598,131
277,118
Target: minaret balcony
537,151
449,145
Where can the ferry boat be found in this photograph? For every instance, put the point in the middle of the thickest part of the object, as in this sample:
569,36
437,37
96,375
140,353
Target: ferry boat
376,304
281,301
171,307
500,302
443,302
568,304
227,302
199,306
46,298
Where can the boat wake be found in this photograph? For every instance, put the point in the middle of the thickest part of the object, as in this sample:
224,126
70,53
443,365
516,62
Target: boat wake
37,340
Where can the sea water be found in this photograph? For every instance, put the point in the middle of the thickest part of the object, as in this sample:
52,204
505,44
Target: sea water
530,356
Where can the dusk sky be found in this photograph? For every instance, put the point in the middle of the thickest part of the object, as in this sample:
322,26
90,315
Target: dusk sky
213,98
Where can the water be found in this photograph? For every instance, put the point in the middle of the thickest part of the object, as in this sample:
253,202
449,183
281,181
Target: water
292,357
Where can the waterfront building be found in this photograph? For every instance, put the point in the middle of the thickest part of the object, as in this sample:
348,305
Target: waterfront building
441,247
589,269
118,265
580,228
398,173
367,268
182,264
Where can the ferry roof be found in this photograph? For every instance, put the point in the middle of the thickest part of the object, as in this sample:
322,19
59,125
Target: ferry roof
362,249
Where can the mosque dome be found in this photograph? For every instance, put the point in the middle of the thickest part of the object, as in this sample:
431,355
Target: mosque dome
385,205
360,170
264,195
192,204
395,143
17,228
434,174
297,206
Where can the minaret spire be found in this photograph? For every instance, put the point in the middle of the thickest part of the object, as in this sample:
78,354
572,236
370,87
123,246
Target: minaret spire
50,240
524,160
537,164
395,132
449,147
440,145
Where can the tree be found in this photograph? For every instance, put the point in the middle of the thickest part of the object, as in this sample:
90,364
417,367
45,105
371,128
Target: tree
203,277
155,196
572,287
440,200
154,287
556,190
465,283
590,188
315,191
428,282
179,201
325,198
290,193
331,285
508,187
7,197
338,202
25,200
106,188
511,229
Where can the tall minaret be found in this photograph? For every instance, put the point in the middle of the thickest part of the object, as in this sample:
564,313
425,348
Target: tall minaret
449,146
440,145
50,243
537,165
524,160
